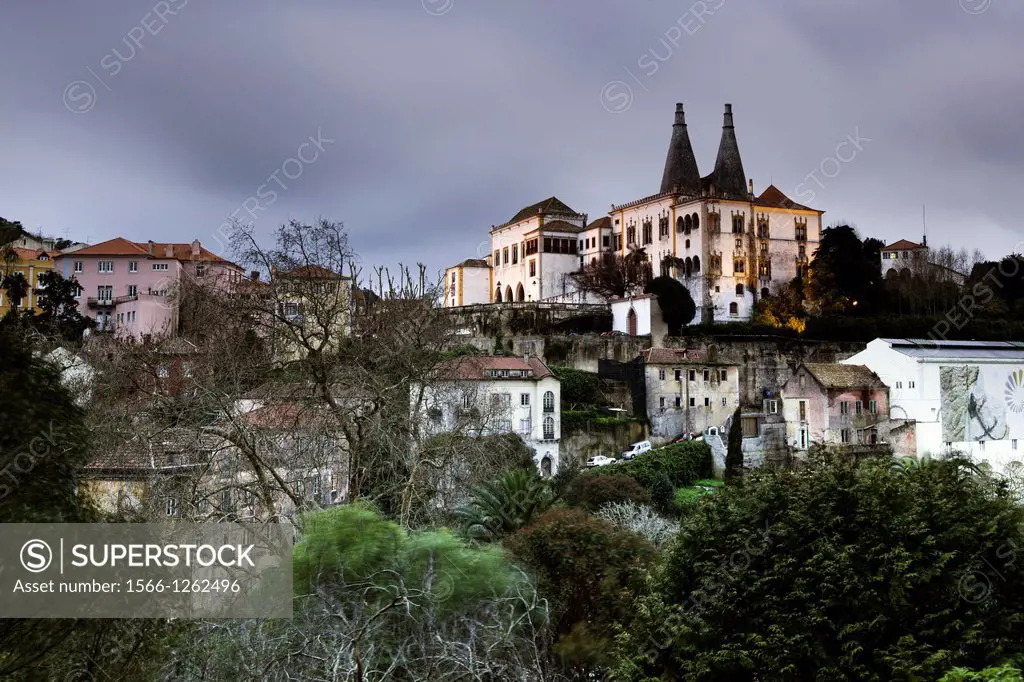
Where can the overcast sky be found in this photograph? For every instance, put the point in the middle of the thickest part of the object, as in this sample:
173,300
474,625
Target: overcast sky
439,118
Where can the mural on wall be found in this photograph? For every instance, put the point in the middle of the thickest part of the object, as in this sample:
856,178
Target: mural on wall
981,403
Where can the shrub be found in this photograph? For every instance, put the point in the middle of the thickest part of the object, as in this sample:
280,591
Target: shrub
593,492
840,571
578,387
640,519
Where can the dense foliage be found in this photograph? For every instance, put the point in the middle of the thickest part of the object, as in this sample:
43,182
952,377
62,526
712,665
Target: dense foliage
734,448
589,571
502,506
837,571
593,492
675,301
577,386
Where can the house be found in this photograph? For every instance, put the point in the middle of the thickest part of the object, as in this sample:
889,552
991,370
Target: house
687,391
483,395
133,289
957,396
839,404
31,263
468,283
639,315
904,258
312,309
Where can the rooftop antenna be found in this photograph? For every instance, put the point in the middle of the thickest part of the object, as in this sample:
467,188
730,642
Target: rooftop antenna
924,225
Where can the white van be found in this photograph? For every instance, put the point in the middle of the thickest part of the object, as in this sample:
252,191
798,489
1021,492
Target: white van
637,449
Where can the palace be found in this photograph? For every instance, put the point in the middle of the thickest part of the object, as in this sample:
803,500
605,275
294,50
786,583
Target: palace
729,246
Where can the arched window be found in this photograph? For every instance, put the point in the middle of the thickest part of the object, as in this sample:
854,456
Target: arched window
689,267
734,309
765,293
520,293
508,294
696,264
679,224
549,401
696,222
631,322
687,243
549,428
497,295
739,289
687,224
545,465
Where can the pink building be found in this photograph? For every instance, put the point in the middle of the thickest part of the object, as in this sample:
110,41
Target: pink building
132,289
835,404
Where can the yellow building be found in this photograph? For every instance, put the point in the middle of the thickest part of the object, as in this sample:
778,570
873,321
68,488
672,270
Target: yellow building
29,262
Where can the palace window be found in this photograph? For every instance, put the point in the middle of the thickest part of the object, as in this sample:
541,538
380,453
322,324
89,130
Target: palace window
762,228
737,224
504,254
739,289
680,224
533,268
631,235
663,226
801,232
648,232
738,265
515,254
714,223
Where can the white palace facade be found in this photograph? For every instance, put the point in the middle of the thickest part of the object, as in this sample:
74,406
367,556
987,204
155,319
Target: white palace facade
729,246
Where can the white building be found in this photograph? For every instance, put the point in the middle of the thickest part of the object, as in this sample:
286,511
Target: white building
482,395
729,246
468,283
899,257
965,396
687,391
639,315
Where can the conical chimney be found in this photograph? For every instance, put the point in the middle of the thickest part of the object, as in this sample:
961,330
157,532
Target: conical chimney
728,176
681,174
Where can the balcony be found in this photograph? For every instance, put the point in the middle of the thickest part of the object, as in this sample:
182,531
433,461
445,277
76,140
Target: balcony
100,302
125,299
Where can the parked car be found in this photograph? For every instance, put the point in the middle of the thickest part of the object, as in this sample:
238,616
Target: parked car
637,449
600,461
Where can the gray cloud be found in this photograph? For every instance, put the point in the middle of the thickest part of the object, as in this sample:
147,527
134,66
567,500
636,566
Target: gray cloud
446,124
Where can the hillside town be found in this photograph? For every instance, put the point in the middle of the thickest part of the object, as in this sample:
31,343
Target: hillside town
536,362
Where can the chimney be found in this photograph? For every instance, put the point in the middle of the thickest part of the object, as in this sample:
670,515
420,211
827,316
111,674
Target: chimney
169,251
195,248
750,185
149,246
727,123
254,275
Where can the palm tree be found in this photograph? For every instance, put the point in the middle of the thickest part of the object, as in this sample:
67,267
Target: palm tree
503,506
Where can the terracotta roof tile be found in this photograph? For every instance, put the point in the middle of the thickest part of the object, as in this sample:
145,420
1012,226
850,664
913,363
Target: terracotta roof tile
604,223
113,247
475,367
561,226
834,375
474,263
123,247
773,197
904,245
675,356
549,205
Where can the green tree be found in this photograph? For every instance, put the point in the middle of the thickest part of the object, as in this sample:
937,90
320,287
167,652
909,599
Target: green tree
734,448
838,571
58,309
504,505
376,602
17,287
594,492
1003,673
677,306
590,571
845,272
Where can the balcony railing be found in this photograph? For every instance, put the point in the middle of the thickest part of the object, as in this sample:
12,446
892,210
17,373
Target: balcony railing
125,299
100,302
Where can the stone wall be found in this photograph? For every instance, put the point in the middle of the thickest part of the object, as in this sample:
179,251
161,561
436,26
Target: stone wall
610,440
